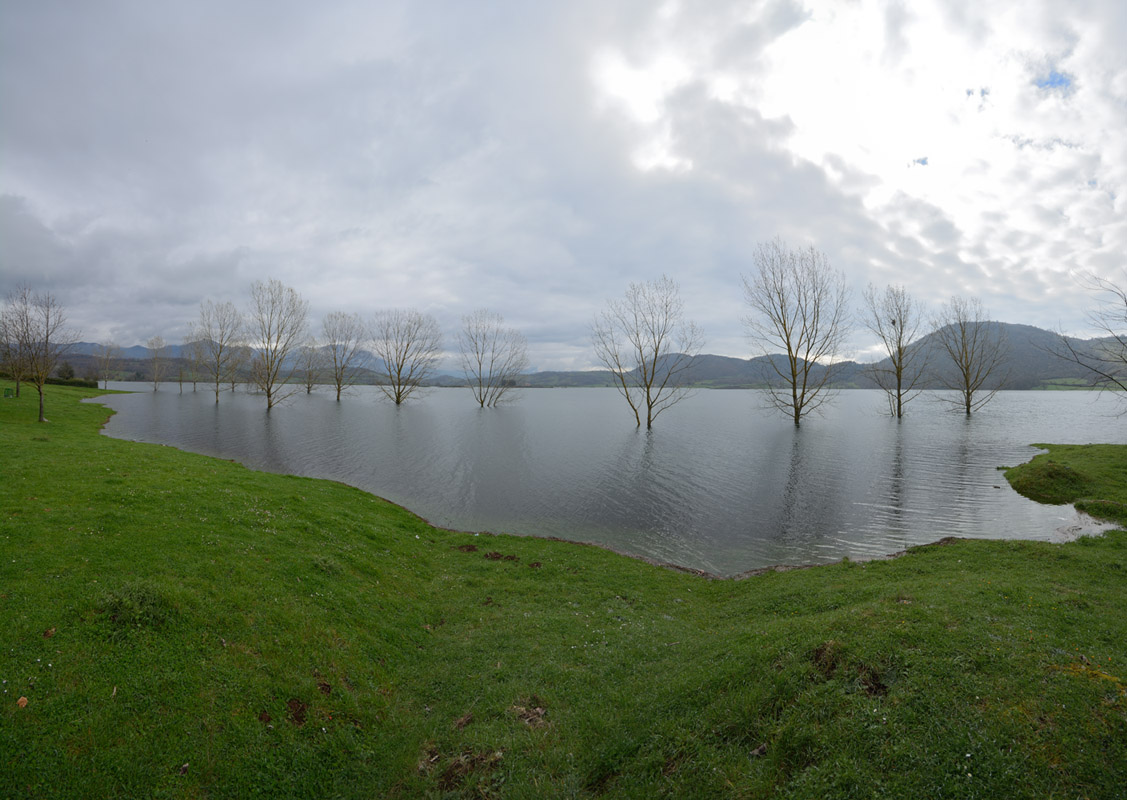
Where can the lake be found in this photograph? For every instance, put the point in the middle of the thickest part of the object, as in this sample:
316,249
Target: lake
720,484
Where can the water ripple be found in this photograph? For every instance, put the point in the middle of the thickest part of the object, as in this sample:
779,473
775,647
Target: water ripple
719,484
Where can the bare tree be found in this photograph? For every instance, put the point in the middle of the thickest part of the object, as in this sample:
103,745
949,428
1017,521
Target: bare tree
344,339
277,322
241,358
493,356
408,344
218,335
1105,359
158,359
311,362
800,305
42,324
107,357
896,320
648,346
977,350
192,355
15,334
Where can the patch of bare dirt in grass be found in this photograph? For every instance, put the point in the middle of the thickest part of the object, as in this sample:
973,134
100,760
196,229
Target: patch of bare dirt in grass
532,711
829,659
453,772
871,681
297,711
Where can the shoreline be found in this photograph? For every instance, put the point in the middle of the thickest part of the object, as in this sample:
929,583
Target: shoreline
1085,526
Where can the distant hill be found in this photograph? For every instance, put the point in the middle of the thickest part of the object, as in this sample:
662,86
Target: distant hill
137,351
1030,365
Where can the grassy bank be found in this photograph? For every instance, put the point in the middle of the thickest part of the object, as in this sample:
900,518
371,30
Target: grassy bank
1093,477
181,626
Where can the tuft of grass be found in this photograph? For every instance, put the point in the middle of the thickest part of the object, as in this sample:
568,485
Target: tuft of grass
294,638
137,604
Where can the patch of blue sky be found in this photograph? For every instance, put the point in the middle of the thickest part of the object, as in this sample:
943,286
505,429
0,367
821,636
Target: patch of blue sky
1054,80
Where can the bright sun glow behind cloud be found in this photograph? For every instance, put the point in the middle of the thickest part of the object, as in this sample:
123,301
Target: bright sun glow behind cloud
975,136
641,91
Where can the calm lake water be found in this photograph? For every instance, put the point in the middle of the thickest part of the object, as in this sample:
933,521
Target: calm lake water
720,484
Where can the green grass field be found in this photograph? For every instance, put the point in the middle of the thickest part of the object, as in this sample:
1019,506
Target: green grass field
180,626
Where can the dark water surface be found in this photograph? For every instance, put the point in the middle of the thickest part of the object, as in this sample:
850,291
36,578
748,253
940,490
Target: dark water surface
720,484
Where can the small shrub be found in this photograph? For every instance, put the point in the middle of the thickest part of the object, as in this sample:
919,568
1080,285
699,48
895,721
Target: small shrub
79,382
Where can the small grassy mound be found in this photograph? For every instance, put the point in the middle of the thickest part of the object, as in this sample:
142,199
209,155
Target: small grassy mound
1092,476
1047,481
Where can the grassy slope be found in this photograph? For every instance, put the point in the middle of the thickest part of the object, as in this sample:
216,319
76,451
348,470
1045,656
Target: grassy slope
284,636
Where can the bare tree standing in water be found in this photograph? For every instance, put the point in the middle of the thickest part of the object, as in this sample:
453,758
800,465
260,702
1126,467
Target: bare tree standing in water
344,339
648,346
800,305
493,356
158,359
409,345
107,357
896,319
977,351
277,326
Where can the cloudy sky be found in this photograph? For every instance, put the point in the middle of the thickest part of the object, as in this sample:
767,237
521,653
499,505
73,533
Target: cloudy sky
535,158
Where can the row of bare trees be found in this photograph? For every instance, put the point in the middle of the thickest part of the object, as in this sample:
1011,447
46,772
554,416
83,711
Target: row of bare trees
800,321
800,304
271,340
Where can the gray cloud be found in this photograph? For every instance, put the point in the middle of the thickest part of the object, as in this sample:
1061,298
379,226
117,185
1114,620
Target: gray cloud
450,157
